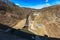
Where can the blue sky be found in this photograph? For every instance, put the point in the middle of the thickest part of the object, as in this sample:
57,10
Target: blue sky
37,4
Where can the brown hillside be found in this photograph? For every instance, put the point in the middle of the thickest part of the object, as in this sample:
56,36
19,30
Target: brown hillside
45,21
12,15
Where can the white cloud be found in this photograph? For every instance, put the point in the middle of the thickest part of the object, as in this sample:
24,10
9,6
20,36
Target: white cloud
46,0
47,4
36,6
41,6
17,4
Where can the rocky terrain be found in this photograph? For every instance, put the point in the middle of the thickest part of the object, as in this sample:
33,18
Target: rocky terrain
10,15
49,20
42,22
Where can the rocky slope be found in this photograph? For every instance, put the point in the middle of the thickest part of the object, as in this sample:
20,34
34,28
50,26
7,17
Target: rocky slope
10,13
45,21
